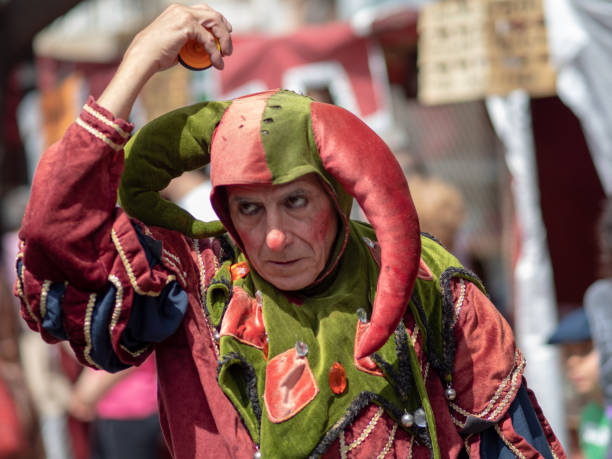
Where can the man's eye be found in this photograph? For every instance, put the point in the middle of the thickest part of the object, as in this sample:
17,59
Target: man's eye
248,208
296,201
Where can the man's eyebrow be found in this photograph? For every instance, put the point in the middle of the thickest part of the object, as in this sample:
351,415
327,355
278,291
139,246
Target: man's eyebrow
299,190
239,199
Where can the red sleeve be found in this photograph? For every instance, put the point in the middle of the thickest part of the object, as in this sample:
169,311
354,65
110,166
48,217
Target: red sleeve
81,263
488,377
488,367
67,222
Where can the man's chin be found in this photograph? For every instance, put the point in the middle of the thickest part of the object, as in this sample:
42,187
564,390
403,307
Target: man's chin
290,276
289,283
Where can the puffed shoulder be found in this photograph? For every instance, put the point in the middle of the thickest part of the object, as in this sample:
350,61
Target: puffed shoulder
488,364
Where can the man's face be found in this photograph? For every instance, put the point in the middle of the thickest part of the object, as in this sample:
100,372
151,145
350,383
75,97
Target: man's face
287,230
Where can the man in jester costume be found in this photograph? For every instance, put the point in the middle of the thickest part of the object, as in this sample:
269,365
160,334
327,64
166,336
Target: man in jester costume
285,330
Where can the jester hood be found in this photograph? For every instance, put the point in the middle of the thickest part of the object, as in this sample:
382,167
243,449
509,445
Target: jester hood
275,137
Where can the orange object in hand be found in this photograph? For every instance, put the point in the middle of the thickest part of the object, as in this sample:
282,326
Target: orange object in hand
193,55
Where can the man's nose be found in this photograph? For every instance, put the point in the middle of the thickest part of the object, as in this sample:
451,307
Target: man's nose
276,239
276,231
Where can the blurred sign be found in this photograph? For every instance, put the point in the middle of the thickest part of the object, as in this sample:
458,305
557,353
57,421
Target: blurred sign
469,49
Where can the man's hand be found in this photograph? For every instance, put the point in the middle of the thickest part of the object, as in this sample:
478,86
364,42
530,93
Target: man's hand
156,48
158,45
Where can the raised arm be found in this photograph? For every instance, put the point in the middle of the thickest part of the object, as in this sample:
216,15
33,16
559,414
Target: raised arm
86,273
157,46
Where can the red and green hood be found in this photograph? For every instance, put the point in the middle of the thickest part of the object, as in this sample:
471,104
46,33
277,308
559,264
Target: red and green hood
267,138
274,137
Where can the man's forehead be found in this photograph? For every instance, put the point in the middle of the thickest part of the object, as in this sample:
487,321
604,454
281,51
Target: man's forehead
306,182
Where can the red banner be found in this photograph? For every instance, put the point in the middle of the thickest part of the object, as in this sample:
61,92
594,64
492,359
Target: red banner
329,57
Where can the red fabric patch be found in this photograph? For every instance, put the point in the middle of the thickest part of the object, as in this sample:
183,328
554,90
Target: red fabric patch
244,320
239,270
290,386
365,364
233,162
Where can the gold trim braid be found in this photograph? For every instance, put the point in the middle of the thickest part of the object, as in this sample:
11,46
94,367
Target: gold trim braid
93,131
87,331
106,121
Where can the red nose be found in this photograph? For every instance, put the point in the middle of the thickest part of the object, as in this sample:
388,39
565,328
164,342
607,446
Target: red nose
275,239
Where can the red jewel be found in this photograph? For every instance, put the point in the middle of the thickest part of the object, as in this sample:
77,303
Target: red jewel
337,378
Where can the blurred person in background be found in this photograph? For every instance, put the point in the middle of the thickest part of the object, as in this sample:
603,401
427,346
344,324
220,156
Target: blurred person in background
43,375
440,208
598,304
122,410
439,204
287,330
19,429
13,206
581,364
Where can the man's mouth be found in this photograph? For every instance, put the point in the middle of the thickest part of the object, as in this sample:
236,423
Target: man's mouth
284,263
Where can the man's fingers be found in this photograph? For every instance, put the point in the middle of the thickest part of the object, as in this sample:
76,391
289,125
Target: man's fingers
207,39
213,22
225,39
216,23
214,15
228,26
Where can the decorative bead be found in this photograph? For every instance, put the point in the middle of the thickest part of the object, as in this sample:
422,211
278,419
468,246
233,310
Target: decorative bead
337,378
217,335
369,242
257,455
450,393
407,420
420,419
301,348
363,315
259,298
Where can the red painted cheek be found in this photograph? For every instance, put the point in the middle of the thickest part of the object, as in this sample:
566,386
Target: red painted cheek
321,224
249,241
